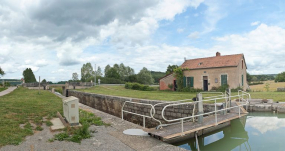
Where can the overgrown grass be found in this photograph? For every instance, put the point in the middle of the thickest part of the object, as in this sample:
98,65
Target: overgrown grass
78,134
170,95
272,86
21,107
2,88
57,89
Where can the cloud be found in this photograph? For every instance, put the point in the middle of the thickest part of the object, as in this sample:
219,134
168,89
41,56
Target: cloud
265,124
180,30
194,35
41,63
255,23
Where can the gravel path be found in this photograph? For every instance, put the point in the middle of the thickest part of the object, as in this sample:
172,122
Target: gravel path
106,138
10,89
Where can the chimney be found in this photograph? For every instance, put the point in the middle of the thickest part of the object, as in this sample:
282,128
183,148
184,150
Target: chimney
218,54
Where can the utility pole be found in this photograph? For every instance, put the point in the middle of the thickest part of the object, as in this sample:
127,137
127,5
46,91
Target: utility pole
95,76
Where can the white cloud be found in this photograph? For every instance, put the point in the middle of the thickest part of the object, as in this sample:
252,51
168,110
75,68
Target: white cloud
255,23
180,30
41,63
265,124
194,35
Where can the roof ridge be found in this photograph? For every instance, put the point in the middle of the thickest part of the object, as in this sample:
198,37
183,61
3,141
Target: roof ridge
214,57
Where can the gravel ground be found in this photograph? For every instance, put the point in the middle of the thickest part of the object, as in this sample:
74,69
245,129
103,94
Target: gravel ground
106,138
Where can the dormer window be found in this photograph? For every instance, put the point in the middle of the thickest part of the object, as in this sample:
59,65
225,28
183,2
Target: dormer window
200,63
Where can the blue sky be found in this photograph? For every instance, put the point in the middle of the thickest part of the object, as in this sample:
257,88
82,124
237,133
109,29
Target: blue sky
56,42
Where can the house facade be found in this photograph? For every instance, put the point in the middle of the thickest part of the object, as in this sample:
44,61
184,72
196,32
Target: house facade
212,72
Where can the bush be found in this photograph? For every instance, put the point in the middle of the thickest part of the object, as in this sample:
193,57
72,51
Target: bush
223,88
137,86
189,89
170,86
105,80
237,89
255,83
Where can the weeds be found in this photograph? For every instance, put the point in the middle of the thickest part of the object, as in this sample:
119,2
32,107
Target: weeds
49,123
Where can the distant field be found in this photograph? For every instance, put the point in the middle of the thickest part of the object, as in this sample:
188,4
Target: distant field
169,95
272,86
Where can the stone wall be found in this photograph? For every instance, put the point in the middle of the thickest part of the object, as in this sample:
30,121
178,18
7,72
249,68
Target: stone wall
113,105
280,89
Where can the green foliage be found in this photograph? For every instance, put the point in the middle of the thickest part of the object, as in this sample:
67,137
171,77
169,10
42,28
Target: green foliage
266,87
49,123
171,68
112,73
178,74
29,76
144,76
248,77
61,136
280,77
221,88
74,76
157,75
237,89
87,72
1,72
263,77
7,84
99,71
132,78
44,81
190,89
170,86
107,68
137,86
255,83
105,80
39,128
90,118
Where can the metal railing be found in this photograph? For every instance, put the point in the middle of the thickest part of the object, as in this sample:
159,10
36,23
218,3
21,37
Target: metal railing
152,110
182,119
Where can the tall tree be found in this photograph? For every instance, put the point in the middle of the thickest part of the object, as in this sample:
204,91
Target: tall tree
87,72
280,77
144,76
107,68
112,73
44,81
171,68
248,77
99,71
1,72
29,76
74,76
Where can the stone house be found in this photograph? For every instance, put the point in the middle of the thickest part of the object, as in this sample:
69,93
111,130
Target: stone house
206,73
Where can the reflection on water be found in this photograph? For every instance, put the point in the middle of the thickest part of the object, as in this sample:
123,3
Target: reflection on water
256,131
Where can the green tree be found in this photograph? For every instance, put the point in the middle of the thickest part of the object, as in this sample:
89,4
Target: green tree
44,81
144,76
1,72
112,73
107,68
280,77
171,68
74,76
29,76
87,72
248,77
178,74
99,71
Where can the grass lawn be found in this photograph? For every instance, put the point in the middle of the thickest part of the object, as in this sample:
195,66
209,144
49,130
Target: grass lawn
272,86
24,106
170,95
2,89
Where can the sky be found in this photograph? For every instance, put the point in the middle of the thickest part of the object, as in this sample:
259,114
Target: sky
55,38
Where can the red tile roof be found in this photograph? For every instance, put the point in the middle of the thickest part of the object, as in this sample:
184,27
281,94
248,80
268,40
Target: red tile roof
213,62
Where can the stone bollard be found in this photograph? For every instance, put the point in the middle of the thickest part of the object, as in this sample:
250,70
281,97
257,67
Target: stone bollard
52,90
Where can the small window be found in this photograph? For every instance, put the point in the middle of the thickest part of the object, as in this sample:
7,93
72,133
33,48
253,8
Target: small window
200,63
216,80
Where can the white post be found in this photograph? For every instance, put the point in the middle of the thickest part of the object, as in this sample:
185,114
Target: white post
200,108
143,121
182,129
216,112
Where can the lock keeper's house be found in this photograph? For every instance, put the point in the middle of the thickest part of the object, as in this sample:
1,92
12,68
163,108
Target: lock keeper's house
206,73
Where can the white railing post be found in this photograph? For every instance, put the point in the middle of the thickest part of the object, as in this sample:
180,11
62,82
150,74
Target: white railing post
143,121
182,129
200,108
239,107
216,112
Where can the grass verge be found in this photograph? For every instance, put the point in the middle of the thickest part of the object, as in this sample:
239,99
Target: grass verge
2,88
78,134
170,95
23,106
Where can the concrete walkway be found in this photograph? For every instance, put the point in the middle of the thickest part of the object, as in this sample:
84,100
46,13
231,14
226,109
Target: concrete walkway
10,89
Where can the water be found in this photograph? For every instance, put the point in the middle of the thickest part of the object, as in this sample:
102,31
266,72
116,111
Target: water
260,131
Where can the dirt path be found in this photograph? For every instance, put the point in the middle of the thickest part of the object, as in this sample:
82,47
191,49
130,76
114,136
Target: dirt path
9,90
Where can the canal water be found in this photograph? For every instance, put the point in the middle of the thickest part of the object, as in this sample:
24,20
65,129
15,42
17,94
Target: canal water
260,131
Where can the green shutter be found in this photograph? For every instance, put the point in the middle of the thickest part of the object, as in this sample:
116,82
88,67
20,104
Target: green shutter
191,81
184,82
224,79
241,80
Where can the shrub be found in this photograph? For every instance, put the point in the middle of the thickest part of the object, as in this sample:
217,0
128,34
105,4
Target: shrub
223,88
170,86
237,89
137,86
105,80
189,89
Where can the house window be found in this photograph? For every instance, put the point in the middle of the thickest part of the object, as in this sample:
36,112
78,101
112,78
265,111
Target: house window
189,81
224,79
216,80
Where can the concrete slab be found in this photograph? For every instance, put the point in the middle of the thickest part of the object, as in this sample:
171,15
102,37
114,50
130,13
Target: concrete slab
57,124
